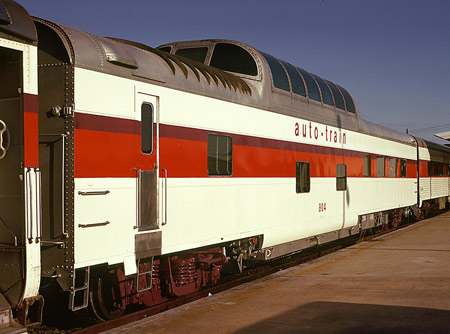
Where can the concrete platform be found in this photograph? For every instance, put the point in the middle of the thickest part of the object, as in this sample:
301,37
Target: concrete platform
398,283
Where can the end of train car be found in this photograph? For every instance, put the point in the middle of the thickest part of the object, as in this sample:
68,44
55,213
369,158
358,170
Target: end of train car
20,175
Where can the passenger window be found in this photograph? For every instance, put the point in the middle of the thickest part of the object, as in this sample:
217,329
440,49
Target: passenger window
341,177
165,49
196,54
380,166
298,87
4,16
220,155
338,99
233,58
302,177
403,168
279,76
392,167
367,165
326,94
147,128
313,90
349,105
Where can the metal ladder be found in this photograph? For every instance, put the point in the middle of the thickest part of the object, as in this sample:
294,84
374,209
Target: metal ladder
80,289
148,276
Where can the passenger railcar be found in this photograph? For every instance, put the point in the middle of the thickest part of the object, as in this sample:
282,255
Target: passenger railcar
19,164
132,174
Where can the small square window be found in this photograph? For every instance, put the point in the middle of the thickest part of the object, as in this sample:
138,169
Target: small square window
341,177
302,176
220,155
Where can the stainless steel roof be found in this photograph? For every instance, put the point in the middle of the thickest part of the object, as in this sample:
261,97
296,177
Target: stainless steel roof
140,62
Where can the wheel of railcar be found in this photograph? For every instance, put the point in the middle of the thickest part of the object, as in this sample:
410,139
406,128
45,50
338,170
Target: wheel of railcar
105,298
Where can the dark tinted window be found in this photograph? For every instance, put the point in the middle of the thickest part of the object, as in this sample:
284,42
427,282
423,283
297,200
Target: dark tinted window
165,49
313,90
403,168
367,165
4,18
326,94
298,87
435,169
341,177
220,155
197,54
146,128
233,58
350,107
279,76
302,177
338,99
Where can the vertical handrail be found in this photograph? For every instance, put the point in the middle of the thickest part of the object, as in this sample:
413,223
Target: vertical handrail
63,200
138,197
38,204
418,171
165,196
139,222
28,205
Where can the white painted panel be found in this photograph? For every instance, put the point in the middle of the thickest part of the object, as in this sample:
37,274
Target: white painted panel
32,232
210,210
103,94
114,241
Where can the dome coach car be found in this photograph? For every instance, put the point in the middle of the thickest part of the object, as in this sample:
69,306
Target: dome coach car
131,174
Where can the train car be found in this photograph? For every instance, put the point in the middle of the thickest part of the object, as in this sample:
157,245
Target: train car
144,170
19,166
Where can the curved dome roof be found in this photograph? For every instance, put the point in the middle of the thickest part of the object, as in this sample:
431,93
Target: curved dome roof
235,57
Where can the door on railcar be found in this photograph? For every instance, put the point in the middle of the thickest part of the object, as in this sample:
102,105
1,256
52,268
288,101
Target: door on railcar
148,236
19,179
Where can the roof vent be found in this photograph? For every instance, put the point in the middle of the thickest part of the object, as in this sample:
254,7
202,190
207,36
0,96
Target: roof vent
117,60
116,54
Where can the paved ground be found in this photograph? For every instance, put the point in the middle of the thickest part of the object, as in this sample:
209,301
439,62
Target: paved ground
398,283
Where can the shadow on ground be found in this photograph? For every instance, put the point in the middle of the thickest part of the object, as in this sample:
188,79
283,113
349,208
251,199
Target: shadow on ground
347,318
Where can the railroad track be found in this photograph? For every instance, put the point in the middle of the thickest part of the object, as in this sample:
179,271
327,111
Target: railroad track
225,283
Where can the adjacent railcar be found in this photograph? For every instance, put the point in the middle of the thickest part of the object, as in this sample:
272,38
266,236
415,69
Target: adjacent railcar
144,170
20,176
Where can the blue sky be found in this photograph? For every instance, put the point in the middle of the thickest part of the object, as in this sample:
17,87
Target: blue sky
393,56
